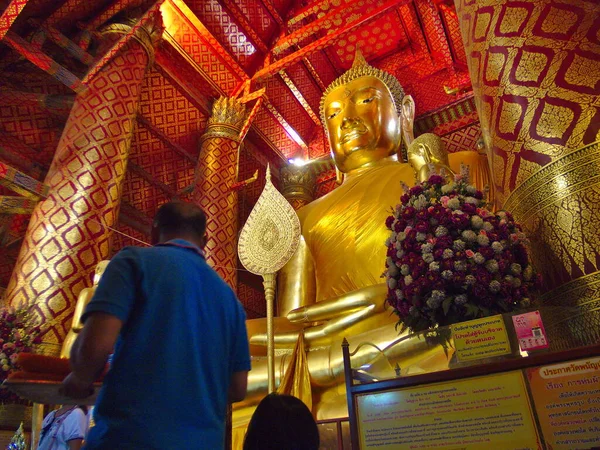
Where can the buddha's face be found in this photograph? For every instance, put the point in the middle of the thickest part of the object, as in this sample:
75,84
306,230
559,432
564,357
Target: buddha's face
362,123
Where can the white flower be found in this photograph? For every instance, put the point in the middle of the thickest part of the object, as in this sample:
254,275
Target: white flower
478,258
421,237
448,188
441,231
471,189
460,265
471,200
408,280
400,253
438,295
483,240
6,368
454,203
427,247
515,268
428,257
460,299
404,269
458,245
525,302
476,222
527,274
447,254
469,235
447,274
392,283
2,355
497,247
393,271
399,294
470,280
516,282
420,203
4,361
433,303
401,236
389,262
492,266
434,266
495,286
488,226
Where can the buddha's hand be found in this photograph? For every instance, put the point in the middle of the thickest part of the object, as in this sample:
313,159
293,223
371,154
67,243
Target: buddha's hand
332,316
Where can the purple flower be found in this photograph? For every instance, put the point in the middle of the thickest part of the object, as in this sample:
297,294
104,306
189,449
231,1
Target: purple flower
436,179
389,221
415,190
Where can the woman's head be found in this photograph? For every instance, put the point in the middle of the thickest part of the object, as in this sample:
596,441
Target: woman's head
282,422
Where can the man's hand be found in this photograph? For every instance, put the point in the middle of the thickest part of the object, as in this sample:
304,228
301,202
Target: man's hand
75,388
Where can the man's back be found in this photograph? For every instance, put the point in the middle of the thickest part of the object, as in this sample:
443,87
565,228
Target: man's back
183,336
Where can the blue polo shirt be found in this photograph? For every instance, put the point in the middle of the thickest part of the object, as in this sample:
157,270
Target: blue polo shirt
183,335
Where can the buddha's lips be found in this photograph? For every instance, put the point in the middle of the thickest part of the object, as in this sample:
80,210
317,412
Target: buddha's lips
353,134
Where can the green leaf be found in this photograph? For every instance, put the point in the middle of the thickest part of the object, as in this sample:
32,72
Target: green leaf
446,305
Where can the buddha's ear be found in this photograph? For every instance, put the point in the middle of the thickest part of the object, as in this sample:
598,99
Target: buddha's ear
408,108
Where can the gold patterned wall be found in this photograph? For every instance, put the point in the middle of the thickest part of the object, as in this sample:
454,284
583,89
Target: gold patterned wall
67,234
536,78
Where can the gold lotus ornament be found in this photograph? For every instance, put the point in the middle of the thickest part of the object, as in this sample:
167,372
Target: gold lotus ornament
267,242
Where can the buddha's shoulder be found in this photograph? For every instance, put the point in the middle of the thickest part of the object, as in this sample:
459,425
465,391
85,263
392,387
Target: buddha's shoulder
385,179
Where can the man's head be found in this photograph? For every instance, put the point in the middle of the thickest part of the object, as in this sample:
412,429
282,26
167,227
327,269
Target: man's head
181,220
361,112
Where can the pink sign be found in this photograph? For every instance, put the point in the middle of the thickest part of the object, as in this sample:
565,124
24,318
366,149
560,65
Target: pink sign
530,331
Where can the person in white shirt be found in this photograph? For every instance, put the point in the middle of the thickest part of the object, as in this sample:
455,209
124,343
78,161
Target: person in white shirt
64,428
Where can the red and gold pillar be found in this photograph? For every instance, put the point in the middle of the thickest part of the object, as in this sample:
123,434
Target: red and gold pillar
216,173
298,185
68,232
536,77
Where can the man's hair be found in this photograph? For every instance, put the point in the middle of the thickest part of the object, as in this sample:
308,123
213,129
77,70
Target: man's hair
180,218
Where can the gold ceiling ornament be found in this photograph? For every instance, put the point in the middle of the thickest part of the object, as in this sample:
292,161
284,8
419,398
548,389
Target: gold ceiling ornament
360,68
267,242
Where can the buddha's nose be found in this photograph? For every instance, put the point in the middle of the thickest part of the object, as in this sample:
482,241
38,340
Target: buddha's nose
349,122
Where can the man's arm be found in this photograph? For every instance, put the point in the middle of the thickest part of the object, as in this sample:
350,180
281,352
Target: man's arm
75,444
90,353
238,386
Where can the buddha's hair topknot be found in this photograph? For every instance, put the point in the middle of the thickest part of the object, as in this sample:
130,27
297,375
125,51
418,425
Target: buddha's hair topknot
360,68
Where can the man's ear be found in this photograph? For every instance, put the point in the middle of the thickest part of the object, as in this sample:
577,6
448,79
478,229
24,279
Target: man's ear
203,241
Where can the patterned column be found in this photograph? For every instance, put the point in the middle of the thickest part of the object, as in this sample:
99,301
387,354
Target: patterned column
216,172
536,77
67,234
298,185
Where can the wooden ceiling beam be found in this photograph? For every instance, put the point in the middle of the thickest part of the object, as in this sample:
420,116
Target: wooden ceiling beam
323,42
44,62
10,14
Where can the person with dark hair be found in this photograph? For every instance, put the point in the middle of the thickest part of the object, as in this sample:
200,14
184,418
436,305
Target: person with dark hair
64,428
282,422
181,349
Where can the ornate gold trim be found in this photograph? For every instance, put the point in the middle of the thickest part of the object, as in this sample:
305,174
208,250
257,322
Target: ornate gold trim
572,173
147,35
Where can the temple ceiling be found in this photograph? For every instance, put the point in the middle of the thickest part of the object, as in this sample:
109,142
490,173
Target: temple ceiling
285,52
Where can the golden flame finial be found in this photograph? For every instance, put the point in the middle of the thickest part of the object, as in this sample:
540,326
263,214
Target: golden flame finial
359,59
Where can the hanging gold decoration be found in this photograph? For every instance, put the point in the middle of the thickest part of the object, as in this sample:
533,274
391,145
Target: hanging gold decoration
267,242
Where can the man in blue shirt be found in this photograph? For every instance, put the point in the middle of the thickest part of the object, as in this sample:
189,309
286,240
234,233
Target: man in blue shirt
181,349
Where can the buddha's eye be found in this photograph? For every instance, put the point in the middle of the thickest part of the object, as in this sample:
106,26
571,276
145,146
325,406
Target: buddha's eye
367,100
332,114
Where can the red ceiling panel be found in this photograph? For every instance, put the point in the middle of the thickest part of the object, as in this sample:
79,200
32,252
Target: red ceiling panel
304,81
262,22
222,26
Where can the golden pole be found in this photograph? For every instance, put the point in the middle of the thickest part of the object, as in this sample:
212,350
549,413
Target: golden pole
37,418
270,282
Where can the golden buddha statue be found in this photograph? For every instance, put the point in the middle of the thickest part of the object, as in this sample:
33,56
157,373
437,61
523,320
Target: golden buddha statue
426,153
333,287
83,299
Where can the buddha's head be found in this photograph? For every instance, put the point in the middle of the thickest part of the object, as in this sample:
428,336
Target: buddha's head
427,149
361,111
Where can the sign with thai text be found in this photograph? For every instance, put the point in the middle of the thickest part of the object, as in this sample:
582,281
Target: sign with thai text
530,331
491,411
480,338
567,402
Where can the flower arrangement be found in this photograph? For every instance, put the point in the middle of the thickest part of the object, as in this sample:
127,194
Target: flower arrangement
18,334
450,259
